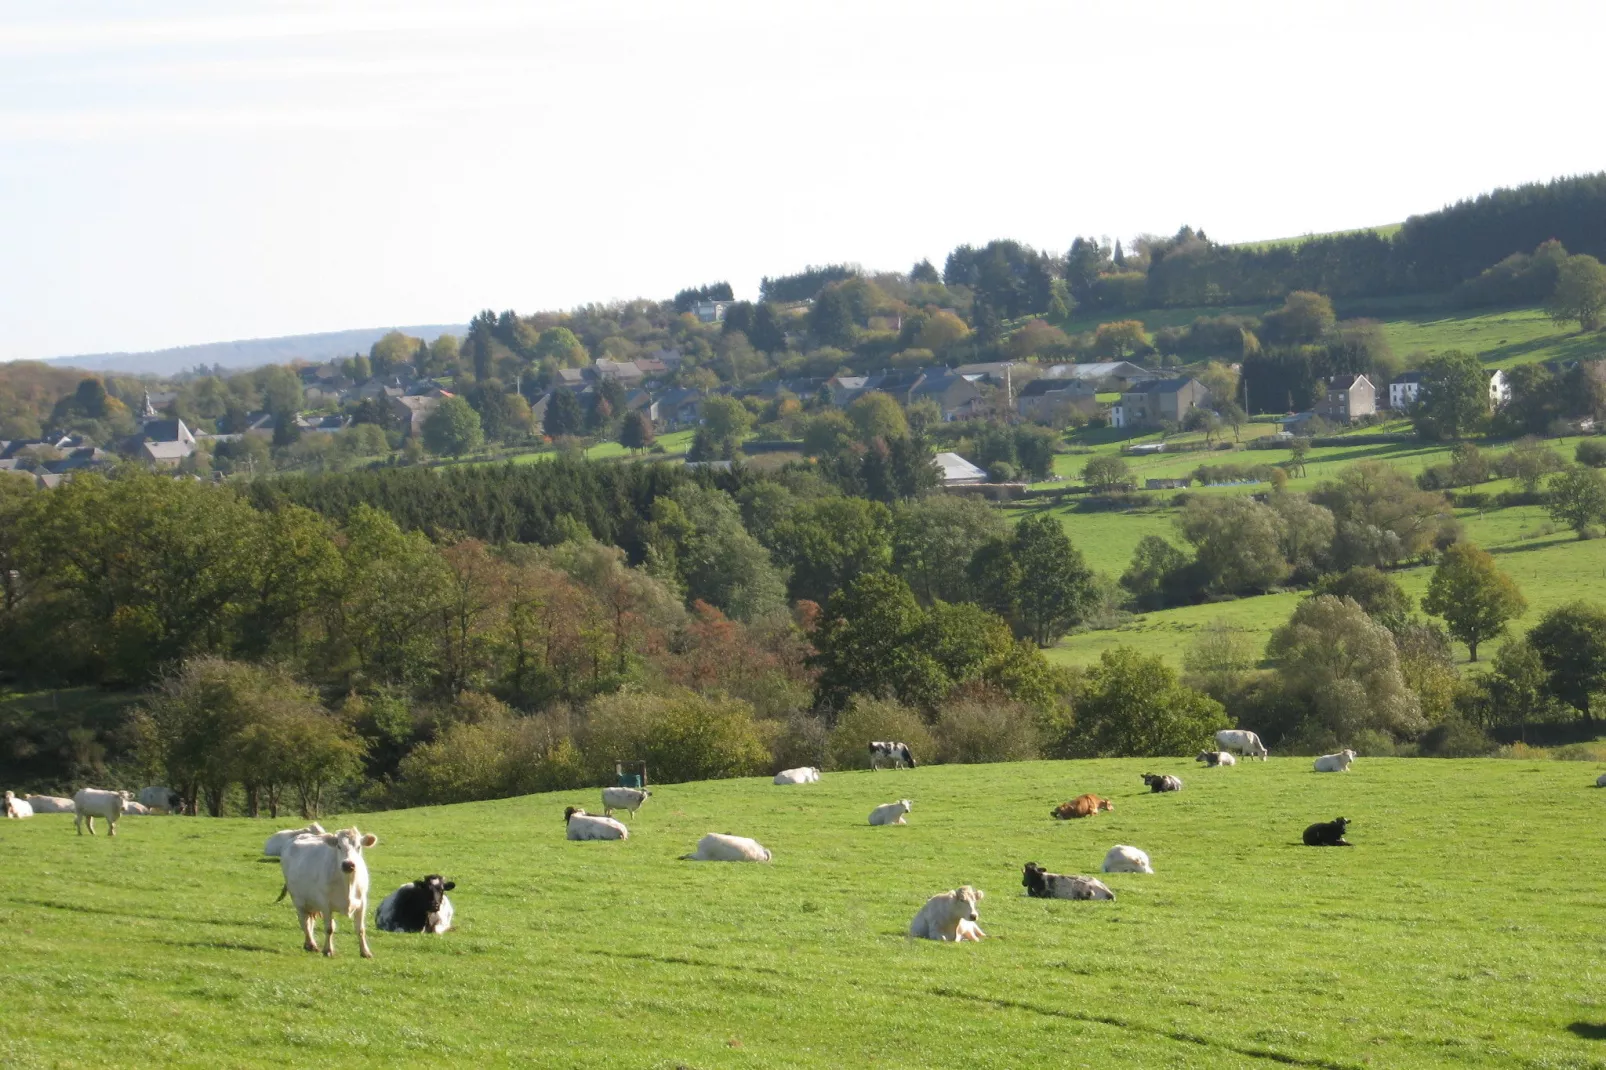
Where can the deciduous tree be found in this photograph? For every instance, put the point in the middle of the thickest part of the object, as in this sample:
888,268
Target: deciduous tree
1473,596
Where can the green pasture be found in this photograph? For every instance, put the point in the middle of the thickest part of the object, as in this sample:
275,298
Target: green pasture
675,444
1461,930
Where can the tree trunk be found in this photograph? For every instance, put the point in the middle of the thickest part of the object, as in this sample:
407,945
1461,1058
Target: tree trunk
1472,650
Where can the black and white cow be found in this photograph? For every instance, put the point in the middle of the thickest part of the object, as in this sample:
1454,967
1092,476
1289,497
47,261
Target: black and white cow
419,907
1158,783
1328,833
896,753
1041,884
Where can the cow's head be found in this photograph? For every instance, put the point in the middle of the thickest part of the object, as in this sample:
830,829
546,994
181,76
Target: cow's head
434,890
965,900
1341,823
1032,879
126,796
1347,753
348,845
571,811
906,805
1105,804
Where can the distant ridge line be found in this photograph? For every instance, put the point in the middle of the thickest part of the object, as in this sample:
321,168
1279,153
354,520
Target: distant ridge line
251,352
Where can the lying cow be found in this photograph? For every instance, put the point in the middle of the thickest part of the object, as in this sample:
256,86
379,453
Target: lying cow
631,799
718,847
132,807
1213,758
16,807
1124,859
159,800
1237,739
1327,834
896,753
1081,806
584,826
1600,782
1335,763
1041,884
91,803
890,813
275,845
327,875
50,804
1162,783
949,916
420,906
805,775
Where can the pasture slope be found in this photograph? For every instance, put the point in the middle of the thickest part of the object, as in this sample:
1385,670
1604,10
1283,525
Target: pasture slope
1462,930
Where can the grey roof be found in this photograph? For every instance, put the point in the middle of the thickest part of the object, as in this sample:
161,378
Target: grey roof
1346,382
1161,386
1409,377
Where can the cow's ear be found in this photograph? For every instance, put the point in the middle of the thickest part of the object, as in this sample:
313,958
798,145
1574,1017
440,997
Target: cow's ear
448,886
980,895
369,839
331,839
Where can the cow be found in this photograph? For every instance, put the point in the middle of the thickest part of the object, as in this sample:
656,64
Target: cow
890,813
1081,806
1600,782
1328,834
1159,783
805,775
420,906
896,753
1246,743
717,847
1124,859
91,803
1335,763
631,799
160,800
584,826
275,845
50,804
327,875
132,807
1213,758
16,807
949,916
1041,884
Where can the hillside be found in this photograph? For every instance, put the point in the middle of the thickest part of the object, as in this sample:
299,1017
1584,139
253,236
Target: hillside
250,353
1414,948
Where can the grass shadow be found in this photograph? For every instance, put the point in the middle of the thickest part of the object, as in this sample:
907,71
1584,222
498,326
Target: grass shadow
1588,1030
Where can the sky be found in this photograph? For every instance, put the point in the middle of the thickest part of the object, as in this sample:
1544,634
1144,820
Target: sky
182,172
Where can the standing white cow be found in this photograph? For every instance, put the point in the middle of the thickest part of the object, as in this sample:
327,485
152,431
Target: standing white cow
949,916
91,803
718,847
806,775
890,813
1242,741
327,875
1124,859
16,807
631,799
50,804
1335,763
274,847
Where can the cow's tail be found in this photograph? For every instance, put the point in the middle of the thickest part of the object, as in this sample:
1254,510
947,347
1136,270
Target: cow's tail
284,891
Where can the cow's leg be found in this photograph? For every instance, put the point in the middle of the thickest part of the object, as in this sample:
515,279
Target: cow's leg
307,943
111,826
362,932
78,823
89,819
329,933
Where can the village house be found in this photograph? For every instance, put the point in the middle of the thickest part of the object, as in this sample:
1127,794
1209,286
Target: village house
1403,391
1159,402
1349,397
1044,400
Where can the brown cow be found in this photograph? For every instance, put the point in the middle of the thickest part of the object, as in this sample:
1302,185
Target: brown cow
1081,806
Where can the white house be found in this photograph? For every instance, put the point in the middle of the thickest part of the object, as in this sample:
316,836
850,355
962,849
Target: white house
956,471
1403,391
1499,388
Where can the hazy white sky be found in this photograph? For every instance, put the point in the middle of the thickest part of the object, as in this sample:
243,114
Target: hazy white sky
175,172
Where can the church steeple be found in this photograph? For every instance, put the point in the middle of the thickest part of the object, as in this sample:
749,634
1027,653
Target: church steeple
148,412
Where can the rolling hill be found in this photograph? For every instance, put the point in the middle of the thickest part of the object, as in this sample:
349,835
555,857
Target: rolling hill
250,353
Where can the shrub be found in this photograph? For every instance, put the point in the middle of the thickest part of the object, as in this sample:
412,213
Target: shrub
986,727
681,736
868,719
494,757
802,739
1591,453
1455,738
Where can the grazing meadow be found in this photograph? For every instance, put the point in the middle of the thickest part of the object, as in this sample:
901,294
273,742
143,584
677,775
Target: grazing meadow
1462,929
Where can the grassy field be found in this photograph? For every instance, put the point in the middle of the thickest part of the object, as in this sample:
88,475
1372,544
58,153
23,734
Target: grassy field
1460,930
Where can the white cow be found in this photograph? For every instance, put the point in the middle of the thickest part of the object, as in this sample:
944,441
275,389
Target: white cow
327,875
1335,763
91,803
890,813
159,800
1241,741
132,807
717,847
631,799
949,916
1124,859
806,775
584,826
16,807
276,844
50,804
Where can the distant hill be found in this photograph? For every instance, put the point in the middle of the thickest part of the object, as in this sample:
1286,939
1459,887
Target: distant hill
1388,230
251,353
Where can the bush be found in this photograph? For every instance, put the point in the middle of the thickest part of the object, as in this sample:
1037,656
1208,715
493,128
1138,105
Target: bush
1591,453
494,757
802,739
986,727
1455,738
867,720
681,736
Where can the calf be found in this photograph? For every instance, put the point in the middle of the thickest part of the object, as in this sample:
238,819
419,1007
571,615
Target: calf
1335,763
584,826
159,800
890,813
327,875
949,916
1237,739
806,775
1162,783
1124,859
91,803
631,799
1041,884
896,753
717,847
419,907
16,807
1213,758
50,804
1327,834
276,843
1081,806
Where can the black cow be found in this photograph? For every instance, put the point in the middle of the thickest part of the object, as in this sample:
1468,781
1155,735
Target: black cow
1327,834
419,907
